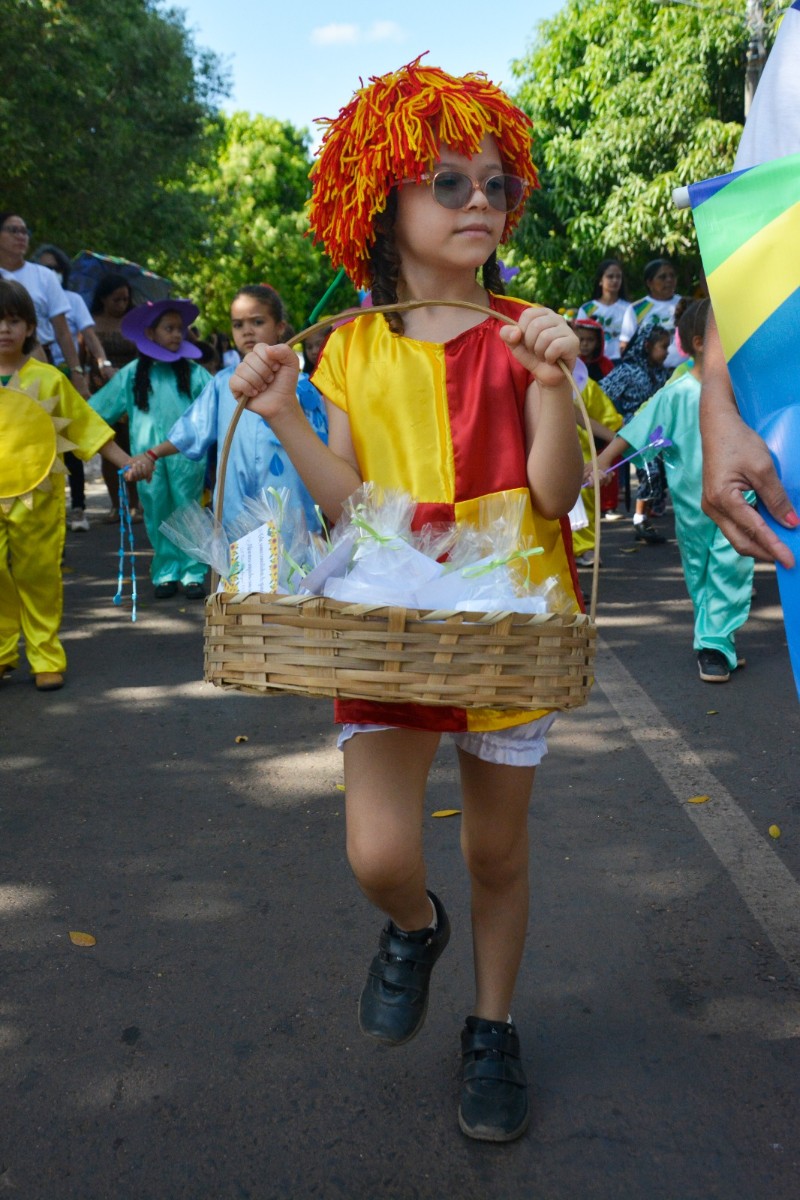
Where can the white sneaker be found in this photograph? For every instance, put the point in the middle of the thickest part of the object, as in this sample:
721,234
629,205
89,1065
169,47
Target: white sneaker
78,521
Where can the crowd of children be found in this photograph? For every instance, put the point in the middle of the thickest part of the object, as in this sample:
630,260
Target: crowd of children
440,401
256,459
718,579
160,393
656,385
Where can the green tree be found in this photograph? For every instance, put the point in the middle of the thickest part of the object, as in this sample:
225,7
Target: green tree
103,105
253,194
628,101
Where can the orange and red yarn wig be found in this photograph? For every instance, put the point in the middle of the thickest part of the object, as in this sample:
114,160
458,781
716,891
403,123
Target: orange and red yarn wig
390,131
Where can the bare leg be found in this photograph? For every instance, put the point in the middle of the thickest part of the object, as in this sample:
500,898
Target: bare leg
494,841
385,777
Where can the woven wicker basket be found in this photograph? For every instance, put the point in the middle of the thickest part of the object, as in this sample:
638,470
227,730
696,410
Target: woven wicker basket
320,647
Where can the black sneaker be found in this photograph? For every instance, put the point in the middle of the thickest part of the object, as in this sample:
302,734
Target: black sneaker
394,1001
163,591
644,532
713,666
494,1095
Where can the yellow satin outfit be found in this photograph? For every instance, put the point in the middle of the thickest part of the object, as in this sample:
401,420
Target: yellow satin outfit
41,415
599,408
444,422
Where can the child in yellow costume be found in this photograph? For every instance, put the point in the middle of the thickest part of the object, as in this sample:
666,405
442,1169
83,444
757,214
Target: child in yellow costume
419,179
41,416
604,422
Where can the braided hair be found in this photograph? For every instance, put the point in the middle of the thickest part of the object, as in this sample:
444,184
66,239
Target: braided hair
141,380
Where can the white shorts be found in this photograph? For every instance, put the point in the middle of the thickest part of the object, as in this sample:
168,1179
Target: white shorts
518,746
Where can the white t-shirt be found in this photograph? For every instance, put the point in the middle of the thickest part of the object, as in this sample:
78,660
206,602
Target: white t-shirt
78,319
48,296
772,128
661,312
618,321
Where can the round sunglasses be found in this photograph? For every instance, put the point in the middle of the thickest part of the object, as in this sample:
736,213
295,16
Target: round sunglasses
454,189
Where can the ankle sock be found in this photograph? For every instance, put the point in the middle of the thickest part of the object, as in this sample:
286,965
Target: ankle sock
420,933
638,519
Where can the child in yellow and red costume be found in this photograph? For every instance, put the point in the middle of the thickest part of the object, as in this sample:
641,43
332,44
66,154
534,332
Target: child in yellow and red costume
41,416
419,179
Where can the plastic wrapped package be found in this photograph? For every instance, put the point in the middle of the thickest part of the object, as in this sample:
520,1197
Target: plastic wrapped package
197,532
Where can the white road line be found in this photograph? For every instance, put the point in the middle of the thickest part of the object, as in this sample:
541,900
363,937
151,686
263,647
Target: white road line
768,889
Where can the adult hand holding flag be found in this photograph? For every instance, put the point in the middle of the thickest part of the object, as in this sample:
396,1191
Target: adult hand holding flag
748,228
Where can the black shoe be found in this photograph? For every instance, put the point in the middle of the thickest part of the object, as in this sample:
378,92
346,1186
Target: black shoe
163,591
194,591
494,1096
713,666
648,533
394,1001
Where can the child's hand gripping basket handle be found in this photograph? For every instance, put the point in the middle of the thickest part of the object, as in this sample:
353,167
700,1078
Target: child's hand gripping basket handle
406,306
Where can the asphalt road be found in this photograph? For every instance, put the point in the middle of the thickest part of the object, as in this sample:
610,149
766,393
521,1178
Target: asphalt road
206,1047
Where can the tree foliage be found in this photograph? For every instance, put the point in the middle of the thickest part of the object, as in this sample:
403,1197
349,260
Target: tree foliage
629,100
103,105
111,140
253,193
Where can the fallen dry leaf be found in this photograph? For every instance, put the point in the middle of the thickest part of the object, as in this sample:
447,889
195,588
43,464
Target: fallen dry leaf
81,939
339,787
713,712
774,831
240,737
698,799
446,812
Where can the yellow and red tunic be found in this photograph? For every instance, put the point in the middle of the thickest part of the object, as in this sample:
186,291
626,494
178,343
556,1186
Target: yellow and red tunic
446,423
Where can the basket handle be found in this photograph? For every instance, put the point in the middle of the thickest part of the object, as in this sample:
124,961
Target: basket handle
406,306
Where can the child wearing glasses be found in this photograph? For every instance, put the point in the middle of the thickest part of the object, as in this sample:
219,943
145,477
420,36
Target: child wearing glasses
452,407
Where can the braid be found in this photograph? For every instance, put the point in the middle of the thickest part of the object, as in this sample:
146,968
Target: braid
492,280
141,383
141,380
183,374
384,264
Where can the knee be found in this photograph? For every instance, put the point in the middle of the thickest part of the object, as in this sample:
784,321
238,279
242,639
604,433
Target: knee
496,863
381,862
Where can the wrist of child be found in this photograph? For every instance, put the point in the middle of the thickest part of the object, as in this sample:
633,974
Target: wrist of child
287,414
560,389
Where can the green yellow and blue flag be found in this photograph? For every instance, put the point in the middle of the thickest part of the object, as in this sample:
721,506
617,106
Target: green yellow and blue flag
748,229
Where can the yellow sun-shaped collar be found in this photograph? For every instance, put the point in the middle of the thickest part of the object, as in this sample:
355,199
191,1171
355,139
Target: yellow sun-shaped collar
32,441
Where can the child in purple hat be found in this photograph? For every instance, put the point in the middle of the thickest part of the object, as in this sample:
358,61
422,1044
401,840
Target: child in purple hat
155,390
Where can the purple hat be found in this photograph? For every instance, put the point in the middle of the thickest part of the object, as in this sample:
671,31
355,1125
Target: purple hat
138,320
